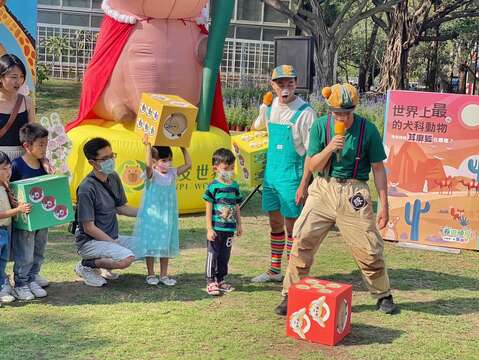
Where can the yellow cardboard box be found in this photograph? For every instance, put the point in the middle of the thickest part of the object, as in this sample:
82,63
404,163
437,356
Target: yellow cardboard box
168,120
250,150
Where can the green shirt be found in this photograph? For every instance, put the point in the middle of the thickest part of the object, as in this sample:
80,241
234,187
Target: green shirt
372,150
224,198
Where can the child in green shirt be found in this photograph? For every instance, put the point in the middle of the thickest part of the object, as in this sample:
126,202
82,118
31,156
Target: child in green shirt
223,219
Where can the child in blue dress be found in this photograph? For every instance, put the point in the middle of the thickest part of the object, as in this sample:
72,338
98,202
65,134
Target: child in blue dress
156,230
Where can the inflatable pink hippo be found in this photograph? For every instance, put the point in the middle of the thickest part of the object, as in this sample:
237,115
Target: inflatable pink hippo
158,47
152,59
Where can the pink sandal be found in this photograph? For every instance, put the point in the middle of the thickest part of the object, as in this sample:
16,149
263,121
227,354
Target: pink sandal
213,289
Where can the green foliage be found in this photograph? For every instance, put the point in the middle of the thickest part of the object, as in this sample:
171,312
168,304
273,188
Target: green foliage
374,113
42,73
243,97
241,105
239,116
56,45
320,107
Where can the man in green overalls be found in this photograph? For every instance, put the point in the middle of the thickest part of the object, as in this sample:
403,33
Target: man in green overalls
288,120
340,196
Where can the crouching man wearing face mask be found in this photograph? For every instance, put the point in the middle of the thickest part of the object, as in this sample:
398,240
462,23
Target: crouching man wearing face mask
288,119
100,197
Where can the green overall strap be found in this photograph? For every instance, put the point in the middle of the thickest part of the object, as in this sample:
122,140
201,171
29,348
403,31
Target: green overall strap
298,112
268,112
295,116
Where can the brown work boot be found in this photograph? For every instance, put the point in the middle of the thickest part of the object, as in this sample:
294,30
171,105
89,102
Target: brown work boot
282,309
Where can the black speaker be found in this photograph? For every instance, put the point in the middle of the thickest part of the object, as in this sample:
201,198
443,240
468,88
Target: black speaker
297,51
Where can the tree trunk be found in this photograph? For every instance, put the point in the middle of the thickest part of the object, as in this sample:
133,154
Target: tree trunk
395,57
325,50
432,71
403,79
462,78
53,64
363,85
404,32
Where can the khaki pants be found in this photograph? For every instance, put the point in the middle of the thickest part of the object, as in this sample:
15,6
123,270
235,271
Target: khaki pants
348,205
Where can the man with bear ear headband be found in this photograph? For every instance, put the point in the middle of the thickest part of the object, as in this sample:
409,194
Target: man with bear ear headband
340,195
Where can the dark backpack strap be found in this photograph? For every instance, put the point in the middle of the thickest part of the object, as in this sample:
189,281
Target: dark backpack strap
359,148
74,224
109,190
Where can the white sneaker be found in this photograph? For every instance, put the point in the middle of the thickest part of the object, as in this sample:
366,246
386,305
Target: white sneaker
6,293
37,290
89,276
165,280
267,277
152,280
23,293
40,280
108,274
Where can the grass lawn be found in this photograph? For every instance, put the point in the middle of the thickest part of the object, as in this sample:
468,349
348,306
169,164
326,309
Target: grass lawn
436,292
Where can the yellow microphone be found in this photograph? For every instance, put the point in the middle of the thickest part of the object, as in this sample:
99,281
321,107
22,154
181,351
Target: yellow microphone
339,129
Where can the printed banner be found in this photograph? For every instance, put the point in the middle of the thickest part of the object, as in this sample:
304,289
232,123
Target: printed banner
18,22
432,142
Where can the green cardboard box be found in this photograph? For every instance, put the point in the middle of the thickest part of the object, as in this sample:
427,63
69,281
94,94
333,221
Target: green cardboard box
50,199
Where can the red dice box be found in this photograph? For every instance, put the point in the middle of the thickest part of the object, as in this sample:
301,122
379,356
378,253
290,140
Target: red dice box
319,311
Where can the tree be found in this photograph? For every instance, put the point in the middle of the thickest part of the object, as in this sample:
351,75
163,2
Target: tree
79,46
462,49
55,46
367,58
407,25
311,17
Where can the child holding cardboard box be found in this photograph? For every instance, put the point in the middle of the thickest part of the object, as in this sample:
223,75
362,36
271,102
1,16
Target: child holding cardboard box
156,231
29,246
9,207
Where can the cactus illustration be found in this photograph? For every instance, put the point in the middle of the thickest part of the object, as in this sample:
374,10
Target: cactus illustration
414,220
473,166
464,221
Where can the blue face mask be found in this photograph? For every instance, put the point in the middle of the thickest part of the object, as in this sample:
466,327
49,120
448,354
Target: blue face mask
107,167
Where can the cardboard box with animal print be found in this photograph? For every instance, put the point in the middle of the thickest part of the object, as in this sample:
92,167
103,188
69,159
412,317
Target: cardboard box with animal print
168,120
50,198
250,150
319,311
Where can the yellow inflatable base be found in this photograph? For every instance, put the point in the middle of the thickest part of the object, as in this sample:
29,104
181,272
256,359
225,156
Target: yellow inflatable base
130,163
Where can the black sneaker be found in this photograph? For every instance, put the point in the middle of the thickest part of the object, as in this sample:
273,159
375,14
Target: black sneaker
282,309
386,305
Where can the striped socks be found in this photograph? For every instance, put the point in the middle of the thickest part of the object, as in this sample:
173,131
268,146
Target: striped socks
277,247
289,245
